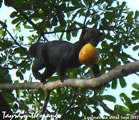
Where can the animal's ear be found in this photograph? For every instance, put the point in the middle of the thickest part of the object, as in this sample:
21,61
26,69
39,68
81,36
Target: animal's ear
33,50
84,30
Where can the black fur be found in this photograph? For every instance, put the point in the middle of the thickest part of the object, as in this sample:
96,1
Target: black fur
57,56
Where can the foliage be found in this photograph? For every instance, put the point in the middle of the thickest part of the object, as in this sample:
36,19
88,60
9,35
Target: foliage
63,19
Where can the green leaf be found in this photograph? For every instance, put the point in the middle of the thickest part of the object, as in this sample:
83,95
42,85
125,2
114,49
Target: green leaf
5,44
135,85
68,36
122,6
126,100
20,51
137,40
135,48
19,74
2,33
86,2
121,109
54,21
69,9
78,4
62,7
108,15
12,63
28,27
109,2
114,84
16,20
109,98
75,14
136,95
13,14
60,16
18,3
134,107
136,16
122,82
37,104
130,18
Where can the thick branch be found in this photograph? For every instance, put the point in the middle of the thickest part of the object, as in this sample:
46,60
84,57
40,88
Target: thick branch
118,72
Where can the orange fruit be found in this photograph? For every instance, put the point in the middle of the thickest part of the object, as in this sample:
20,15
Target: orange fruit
88,55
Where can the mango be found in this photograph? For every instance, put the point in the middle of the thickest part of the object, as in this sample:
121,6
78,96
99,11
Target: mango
88,54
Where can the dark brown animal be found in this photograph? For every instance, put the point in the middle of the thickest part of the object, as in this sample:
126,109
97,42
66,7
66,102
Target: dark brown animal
57,56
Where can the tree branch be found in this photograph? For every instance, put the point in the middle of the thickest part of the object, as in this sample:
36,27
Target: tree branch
94,83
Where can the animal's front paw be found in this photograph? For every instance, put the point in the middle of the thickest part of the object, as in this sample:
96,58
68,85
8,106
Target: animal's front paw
99,74
43,81
63,78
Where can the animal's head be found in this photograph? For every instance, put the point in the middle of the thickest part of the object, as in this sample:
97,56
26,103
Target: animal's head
33,49
91,35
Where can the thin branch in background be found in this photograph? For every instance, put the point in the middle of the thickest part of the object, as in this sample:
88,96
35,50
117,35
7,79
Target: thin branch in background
42,31
73,29
15,66
105,107
47,96
68,30
24,15
69,107
27,18
31,22
21,104
87,13
125,54
5,27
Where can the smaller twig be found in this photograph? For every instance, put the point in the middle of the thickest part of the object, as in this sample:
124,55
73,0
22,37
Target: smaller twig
42,31
27,19
5,27
22,13
14,66
21,103
69,107
125,54
105,107
87,13
69,30
47,96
